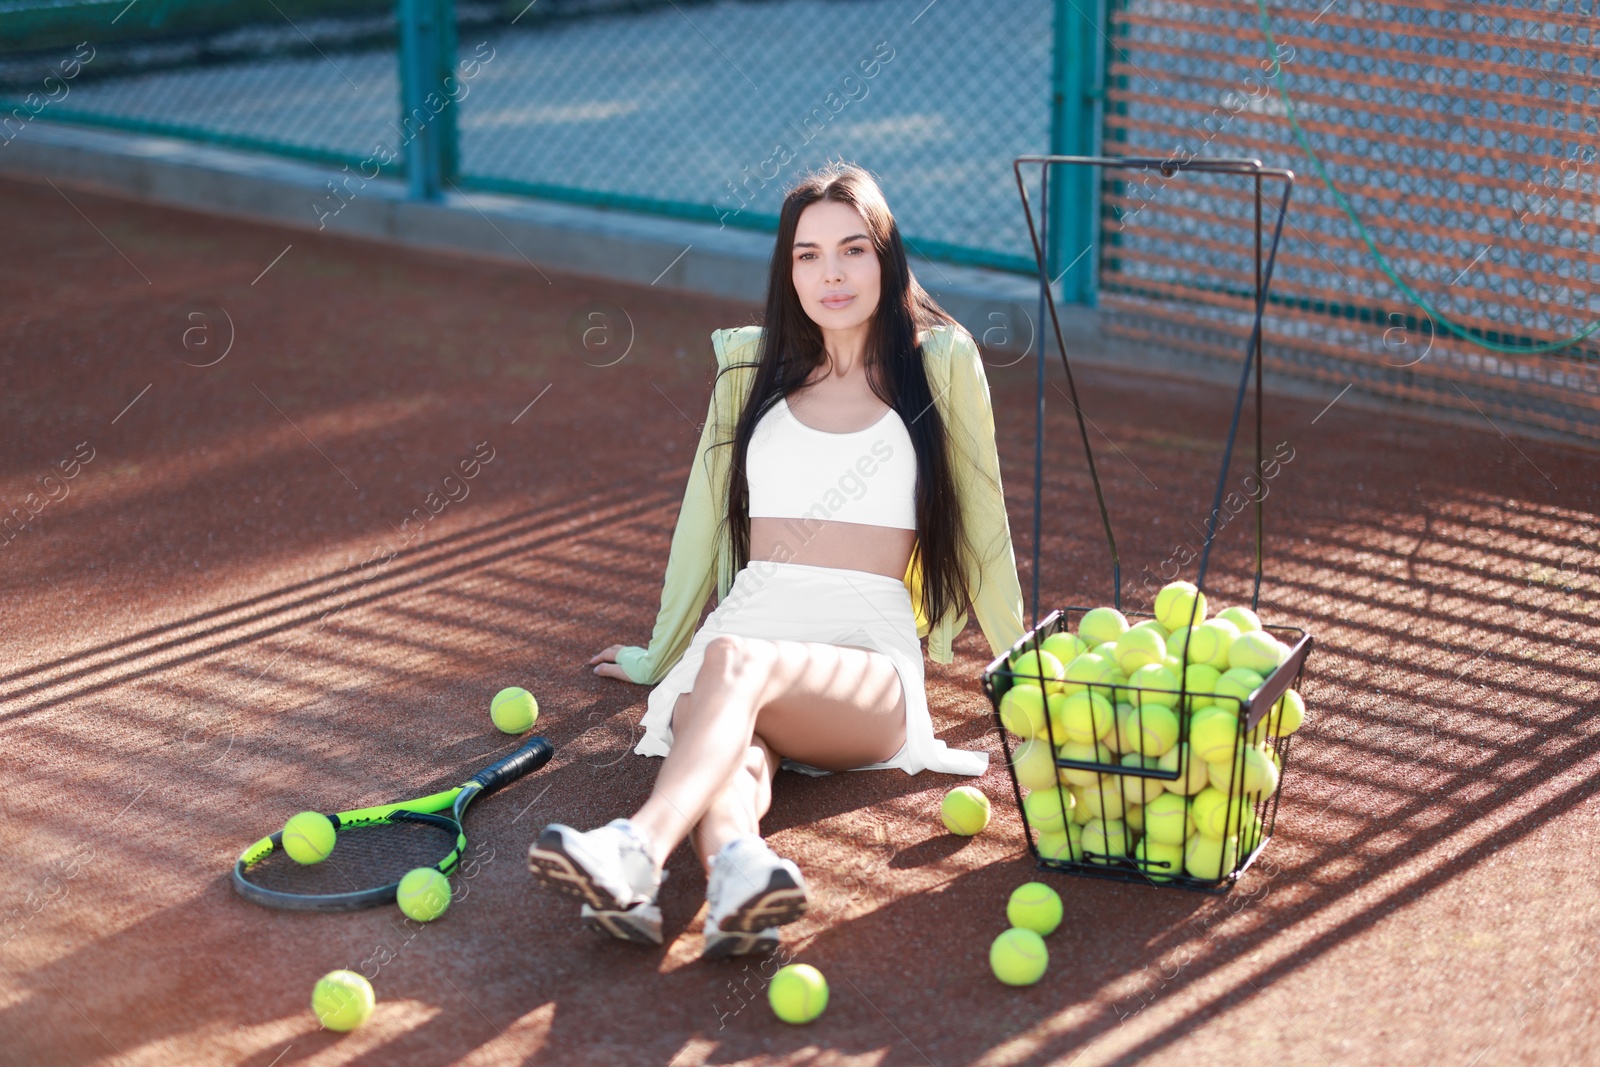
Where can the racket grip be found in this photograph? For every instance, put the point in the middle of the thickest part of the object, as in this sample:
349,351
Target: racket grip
530,757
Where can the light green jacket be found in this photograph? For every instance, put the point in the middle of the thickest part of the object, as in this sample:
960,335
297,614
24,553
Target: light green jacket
702,553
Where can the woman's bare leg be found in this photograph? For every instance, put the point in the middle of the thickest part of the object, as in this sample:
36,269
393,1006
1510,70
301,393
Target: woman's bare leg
740,806
832,706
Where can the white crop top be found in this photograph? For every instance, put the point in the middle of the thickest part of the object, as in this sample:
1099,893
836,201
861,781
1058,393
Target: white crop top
797,472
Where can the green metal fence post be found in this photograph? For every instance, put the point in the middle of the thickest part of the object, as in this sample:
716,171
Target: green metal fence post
427,111
1074,200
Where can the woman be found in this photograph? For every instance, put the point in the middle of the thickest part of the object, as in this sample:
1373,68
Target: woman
858,456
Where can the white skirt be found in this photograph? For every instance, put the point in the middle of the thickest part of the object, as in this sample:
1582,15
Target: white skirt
801,602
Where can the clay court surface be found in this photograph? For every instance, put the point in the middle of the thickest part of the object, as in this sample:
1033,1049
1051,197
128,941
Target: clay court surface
192,652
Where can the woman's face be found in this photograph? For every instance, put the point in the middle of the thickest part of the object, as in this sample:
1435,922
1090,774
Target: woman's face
836,269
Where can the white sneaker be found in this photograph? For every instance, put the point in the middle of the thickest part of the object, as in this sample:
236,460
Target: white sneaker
610,870
752,891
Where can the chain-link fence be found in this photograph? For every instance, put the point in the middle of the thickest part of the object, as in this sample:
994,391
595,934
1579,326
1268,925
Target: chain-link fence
1441,239
1440,243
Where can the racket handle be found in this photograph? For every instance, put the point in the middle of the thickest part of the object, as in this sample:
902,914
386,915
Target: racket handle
530,757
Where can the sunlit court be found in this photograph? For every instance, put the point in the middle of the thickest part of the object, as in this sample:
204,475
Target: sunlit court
792,532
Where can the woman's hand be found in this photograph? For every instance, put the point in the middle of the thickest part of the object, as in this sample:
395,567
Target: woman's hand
605,664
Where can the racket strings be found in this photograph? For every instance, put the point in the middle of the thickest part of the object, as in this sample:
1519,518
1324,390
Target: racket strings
363,858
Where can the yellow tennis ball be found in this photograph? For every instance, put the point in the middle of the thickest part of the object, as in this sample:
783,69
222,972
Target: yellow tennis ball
1083,717
514,710
1210,641
1159,860
1035,764
1153,729
1287,715
1022,711
1155,684
1049,810
1089,753
1062,846
1244,620
1235,687
1257,651
1103,800
1174,602
1034,906
1167,820
1018,957
1253,772
1200,680
1106,838
1031,665
1137,788
342,1000
1101,626
1208,858
798,993
1190,768
1064,646
1088,669
1214,734
1138,647
308,837
423,894
965,811
1134,817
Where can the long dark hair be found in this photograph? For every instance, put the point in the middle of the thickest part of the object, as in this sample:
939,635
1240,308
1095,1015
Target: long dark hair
791,349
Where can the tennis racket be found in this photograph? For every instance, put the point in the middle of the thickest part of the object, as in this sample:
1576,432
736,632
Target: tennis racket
376,846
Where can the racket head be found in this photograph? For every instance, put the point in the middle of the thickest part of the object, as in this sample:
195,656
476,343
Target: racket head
375,847
369,858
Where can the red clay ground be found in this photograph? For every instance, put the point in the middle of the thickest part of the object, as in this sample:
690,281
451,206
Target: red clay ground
168,694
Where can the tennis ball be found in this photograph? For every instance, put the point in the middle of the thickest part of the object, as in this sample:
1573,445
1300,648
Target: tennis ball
1018,957
1134,817
1153,626
1034,906
308,837
1049,810
1192,773
1123,739
1106,839
1201,679
1087,753
1084,716
1138,789
1160,861
798,993
1088,669
1208,858
1065,846
1287,714
1101,626
424,894
1035,764
1138,647
1244,620
1022,711
965,811
1080,812
1219,815
1235,687
1214,734
1254,773
1103,801
1175,602
1175,643
1064,646
1154,730
1030,665
1257,651
1210,641
1108,650
1155,684
1167,820
513,710
342,1000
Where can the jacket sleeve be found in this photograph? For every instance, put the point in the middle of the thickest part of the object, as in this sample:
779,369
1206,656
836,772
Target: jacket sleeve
997,598
690,564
